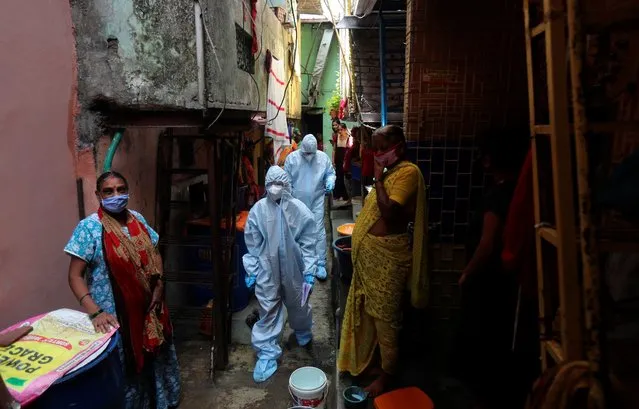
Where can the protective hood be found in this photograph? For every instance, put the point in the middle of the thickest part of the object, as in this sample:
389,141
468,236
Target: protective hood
309,144
277,174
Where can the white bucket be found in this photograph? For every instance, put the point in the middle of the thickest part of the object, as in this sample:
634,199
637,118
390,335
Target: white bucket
308,387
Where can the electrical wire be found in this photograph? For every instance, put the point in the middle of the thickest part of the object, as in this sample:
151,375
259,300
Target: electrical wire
259,98
259,53
219,67
348,68
270,121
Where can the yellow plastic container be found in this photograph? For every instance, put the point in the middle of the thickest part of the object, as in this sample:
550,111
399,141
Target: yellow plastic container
345,229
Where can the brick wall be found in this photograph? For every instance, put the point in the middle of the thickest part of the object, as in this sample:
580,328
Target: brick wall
366,67
465,70
309,7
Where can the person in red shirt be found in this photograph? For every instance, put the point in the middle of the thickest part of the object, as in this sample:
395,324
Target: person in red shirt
320,142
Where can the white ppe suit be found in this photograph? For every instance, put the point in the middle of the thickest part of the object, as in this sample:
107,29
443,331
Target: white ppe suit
312,176
280,238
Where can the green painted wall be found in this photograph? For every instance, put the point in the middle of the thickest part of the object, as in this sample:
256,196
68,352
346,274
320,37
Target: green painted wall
311,39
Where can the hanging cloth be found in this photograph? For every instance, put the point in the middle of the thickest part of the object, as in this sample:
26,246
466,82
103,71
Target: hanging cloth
276,124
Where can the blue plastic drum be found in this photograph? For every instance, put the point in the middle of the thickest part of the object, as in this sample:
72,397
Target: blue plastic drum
97,385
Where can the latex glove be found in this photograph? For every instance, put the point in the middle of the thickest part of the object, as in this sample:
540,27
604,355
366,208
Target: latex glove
321,273
330,185
250,282
309,279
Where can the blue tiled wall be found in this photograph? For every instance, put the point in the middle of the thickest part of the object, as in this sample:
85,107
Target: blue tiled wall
455,184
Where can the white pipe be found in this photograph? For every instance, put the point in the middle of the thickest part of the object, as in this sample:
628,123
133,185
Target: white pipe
199,47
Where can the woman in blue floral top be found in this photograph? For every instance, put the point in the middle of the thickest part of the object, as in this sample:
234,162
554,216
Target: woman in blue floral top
116,275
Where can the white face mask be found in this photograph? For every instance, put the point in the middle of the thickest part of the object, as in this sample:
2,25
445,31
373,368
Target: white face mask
275,192
308,157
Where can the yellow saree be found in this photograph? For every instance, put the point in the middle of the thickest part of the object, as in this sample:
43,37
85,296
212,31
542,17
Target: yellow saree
383,267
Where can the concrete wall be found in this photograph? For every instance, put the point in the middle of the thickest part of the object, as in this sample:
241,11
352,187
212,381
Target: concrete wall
311,39
38,210
134,54
136,159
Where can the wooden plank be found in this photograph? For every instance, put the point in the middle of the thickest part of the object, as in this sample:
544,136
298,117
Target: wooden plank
589,251
569,289
554,349
538,29
537,205
163,182
529,66
542,129
550,235
220,352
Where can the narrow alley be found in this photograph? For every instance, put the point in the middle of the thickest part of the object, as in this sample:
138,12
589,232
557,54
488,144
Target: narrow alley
331,204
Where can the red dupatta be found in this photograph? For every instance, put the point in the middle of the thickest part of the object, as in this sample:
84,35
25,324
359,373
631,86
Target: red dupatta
135,265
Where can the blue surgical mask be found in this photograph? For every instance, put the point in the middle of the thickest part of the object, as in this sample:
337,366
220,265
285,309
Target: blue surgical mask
115,204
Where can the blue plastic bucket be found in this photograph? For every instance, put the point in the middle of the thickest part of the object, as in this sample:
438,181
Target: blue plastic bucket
98,385
199,259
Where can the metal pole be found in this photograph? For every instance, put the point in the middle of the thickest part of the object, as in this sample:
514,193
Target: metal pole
382,66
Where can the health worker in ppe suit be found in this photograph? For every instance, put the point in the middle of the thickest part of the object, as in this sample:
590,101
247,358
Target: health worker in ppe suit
280,264
312,176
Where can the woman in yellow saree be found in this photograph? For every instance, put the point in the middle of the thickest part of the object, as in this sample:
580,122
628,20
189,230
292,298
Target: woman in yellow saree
387,261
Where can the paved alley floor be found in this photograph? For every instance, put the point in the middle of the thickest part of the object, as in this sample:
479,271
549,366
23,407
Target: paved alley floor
234,388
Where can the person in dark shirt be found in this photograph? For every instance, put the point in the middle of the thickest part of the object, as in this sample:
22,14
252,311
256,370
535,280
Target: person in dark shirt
487,293
367,157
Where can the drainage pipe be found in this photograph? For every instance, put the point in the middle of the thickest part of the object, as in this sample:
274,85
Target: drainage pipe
199,47
108,160
382,67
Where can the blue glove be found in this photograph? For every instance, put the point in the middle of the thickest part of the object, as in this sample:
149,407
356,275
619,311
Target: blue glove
309,279
330,185
321,273
250,282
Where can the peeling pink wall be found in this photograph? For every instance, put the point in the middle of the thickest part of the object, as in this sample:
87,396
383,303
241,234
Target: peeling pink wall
136,160
38,210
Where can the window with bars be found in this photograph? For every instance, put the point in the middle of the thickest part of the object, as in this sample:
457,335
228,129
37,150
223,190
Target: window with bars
244,43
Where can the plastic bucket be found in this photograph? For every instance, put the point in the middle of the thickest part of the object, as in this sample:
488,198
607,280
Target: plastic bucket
344,260
355,398
308,387
345,229
101,377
